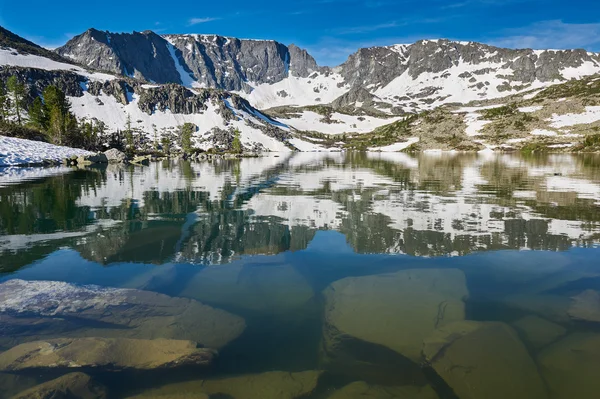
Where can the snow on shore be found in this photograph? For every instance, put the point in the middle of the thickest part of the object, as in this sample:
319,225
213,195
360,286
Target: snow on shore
15,151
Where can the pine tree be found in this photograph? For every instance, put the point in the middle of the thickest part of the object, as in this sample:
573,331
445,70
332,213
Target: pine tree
4,102
60,122
236,145
155,137
187,130
37,117
17,93
129,136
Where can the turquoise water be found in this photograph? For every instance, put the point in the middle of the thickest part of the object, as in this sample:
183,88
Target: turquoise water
380,275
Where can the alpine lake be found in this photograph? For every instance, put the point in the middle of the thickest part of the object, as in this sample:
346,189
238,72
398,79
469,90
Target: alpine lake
313,275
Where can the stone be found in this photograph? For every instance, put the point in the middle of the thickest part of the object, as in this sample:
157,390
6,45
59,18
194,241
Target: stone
570,366
538,332
142,160
35,310
115,156
273,384
265,288
362,390
92,159
394,310
70,386
483,360
107,354
585,306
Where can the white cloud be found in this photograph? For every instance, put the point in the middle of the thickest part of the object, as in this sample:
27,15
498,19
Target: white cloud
196,21
554,34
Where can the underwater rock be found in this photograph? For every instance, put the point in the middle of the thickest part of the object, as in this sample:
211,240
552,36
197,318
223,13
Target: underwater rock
265,288
34,310
586,306
107,354
274,384
484,360
69,386
538,332
570,366
362,390
395,310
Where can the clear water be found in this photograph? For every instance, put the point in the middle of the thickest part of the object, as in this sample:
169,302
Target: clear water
336,263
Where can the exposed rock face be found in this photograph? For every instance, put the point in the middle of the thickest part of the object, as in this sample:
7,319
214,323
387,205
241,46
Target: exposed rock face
477,359
141,55
106,354
394,310
213,61
69,386
115,156
274,384
65,310
570,366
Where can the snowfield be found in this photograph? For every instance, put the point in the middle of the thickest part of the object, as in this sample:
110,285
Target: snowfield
591,115
15,151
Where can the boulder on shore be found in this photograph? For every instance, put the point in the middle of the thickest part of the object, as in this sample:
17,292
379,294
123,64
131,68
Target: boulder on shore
92,159
484,360
106,354
395,310
37,310
115,156
69,386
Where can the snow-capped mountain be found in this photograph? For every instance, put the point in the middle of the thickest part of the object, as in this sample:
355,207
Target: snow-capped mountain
393,79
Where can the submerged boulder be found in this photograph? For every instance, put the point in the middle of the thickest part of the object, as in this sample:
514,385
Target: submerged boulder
273,384
264,288
484,360
570,366
586,306
394,310
69,386
108,354
362,390
538,332
34,310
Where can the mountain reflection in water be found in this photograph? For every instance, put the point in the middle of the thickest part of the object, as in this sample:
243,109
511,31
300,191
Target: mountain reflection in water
494,275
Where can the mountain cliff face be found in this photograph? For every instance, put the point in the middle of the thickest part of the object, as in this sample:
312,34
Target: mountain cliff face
395,79
193,60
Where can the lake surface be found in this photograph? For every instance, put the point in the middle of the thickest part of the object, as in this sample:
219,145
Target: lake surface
362,275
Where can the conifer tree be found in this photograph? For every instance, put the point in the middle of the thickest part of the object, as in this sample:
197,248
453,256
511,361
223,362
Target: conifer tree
187,130
155,137
37,117
129,136
4,102
236,145
16,90
60,122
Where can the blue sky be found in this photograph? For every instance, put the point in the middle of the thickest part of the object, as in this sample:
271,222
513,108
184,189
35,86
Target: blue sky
329,29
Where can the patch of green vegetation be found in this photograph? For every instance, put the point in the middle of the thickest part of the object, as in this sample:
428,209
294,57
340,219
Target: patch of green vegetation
534,147
591,143
382,136
500,112
589,86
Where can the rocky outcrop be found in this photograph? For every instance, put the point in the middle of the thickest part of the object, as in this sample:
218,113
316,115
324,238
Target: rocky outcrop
115,156
104,354
70,386
213,61
60,309
142,55
477,359
394,310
